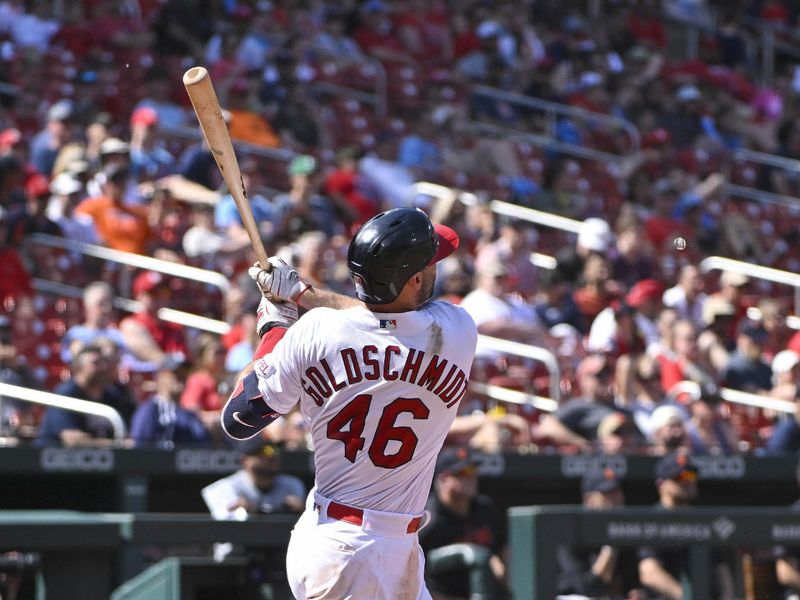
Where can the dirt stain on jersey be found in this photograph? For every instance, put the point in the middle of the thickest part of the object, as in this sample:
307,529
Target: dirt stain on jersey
435,345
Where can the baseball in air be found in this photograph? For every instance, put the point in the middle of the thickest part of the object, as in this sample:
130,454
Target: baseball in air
680,243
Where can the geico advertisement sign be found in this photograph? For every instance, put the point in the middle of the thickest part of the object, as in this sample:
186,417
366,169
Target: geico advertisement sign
720,467
577,466
99,460
206,461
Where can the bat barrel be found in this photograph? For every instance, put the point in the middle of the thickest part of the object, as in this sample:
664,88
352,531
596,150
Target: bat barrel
194,75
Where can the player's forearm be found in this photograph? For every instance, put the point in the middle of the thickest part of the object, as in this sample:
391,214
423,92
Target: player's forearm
605,563
653,575
315,298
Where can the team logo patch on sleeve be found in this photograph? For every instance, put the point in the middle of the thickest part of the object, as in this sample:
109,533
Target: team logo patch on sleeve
264,369
388,324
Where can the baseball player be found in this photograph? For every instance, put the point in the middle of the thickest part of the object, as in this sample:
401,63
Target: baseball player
379,382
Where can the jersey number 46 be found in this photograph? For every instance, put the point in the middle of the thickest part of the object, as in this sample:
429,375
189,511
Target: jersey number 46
348,425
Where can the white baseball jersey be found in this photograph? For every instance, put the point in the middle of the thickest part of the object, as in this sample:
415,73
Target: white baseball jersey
380,391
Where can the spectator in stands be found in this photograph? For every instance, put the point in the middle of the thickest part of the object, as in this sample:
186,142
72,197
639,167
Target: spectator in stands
634,259
630,326
16,418
161,421
554,303
460,515
598,290
91,380
158,92
513,247
150,160
682,361
644,393
594,237
709,431
202,392
773,318
257,488
687,296
491,432
576,422
343,185
46,145
498,310
151,340
33,218
121,225
785,375
303,208
666,430
15,281
661,570
67,191
98,311
228,220
731,287
608,571
386,179
716,342
746,370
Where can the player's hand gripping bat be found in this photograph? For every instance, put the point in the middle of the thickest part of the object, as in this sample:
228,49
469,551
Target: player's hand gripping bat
209,113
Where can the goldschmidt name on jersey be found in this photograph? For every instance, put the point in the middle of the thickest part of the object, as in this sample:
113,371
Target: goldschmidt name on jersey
436,374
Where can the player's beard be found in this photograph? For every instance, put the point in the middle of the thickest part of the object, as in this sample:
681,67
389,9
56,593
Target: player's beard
428,283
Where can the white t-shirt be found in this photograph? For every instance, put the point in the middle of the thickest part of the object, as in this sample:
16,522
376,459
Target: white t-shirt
221,494
379,390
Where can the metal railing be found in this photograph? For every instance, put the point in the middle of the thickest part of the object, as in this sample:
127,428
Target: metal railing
67,403
763,159
537,353
545,219
555,109
133,260
503,394
733,396
166,314
755,271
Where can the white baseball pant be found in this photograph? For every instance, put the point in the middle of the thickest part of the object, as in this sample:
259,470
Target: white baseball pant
339,552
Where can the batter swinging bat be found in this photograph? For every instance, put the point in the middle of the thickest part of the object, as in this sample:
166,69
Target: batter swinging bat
209,113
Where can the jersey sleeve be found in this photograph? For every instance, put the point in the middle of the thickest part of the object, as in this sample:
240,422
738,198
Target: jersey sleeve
278,372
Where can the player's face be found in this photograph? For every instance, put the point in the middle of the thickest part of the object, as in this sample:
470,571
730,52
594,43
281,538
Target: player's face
262,470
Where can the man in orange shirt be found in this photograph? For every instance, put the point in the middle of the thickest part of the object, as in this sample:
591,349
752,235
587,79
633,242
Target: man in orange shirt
120,225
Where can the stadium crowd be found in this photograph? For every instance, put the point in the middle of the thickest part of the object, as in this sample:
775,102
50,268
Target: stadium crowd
338,108
98,145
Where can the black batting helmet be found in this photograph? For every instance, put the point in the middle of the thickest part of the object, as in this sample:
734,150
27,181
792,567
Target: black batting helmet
393,246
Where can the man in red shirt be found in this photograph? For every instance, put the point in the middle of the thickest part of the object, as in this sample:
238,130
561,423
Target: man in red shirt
155,342
14,279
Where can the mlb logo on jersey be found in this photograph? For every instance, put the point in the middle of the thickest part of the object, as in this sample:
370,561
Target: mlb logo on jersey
388,324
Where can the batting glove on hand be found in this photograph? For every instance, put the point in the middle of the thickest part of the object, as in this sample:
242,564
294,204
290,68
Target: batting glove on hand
272,313
282,283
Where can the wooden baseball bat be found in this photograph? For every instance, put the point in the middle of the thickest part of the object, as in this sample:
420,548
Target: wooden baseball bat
206,105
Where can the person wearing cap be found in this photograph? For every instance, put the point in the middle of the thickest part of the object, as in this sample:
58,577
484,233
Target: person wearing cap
594,237
716,342
662,569
150,160
608,571
33,219
257,488
746,369
597,290
785,437
576,422
66,193
553,303
773,318
458,515
644,300
634,259
152,340
120,224
46,144
687,297
666,429
303,208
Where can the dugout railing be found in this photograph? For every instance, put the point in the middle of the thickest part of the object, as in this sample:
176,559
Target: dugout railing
535,532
